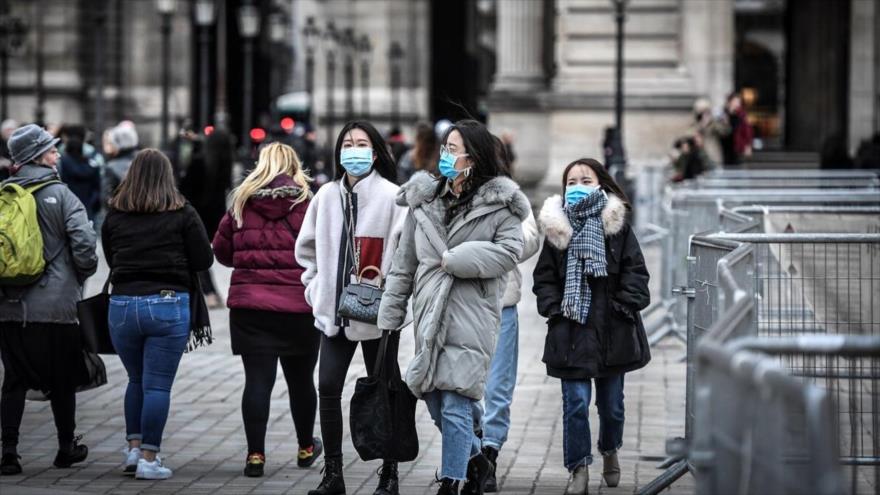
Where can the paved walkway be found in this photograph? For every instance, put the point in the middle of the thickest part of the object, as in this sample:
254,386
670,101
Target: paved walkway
205,444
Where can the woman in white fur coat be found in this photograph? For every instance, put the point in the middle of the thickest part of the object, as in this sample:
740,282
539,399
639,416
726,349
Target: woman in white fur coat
352,224
591,282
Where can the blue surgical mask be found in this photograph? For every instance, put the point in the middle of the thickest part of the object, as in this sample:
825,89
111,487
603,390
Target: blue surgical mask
577,192
447,164
356,161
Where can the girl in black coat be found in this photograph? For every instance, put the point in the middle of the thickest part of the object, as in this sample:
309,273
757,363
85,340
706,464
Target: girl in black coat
591,282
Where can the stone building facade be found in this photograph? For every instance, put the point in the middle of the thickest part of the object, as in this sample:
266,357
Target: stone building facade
540,69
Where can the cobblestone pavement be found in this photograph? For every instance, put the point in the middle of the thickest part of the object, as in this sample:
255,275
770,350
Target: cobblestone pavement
205,445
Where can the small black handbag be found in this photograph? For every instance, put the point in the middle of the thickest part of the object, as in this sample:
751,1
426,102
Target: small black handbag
360,301
383,412
92,314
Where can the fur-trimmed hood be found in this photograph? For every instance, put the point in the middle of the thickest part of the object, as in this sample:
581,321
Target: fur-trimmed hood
275,199
501,190
554,224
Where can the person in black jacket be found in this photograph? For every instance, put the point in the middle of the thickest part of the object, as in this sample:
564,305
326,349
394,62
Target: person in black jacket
591,282
154,242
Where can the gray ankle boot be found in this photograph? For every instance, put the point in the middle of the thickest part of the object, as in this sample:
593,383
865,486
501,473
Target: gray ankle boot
578,481
611,470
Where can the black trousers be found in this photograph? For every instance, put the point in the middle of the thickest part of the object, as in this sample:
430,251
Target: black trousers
259,373
336,356
41,356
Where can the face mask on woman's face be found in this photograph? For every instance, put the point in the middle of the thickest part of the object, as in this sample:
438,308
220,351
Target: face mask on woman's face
576,193
356,161
447,164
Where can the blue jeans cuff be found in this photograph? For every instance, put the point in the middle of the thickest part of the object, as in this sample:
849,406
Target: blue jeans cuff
491,443
586,461
134,436
611,451
150,447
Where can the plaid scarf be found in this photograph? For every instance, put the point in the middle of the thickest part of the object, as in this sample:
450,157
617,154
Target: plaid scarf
586,255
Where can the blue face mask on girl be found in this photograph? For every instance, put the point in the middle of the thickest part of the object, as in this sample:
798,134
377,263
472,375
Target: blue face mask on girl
356,161
575,193
447,164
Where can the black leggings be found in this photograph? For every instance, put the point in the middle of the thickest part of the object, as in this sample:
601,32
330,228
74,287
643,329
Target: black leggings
336,355
259,375
12,410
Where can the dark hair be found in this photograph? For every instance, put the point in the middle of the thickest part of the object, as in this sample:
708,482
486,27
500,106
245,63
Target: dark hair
148,186
480,146
426,149
384,163
606,182
504,158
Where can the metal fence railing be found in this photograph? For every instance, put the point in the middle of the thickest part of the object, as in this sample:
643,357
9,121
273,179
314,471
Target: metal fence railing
687,212
774,286
759,429
812,409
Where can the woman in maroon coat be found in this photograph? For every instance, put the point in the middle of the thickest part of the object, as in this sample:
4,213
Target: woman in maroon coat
269,319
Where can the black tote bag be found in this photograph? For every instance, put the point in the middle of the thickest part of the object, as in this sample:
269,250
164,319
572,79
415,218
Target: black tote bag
92,314
383,413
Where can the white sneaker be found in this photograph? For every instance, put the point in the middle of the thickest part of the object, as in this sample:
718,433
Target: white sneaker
147,470
132,456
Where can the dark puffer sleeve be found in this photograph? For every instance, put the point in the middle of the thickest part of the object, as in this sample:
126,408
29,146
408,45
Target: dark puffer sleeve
548,287
633,290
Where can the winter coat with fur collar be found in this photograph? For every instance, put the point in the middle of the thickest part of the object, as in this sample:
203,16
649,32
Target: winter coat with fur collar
613,340
456,275
266,275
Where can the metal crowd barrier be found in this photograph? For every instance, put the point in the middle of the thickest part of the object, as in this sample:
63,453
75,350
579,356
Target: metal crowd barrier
783,285
721,173
687,212
759,429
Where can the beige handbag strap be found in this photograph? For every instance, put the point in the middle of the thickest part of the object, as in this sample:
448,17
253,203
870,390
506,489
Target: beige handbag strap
375,269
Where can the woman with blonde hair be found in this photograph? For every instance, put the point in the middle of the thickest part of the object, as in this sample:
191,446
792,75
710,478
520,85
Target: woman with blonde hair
269,319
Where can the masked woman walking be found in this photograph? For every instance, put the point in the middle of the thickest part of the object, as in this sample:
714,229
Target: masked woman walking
461,239
350,232
591,283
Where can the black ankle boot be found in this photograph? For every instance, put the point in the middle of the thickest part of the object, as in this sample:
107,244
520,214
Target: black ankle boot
333,482
448,487
491,483
387,479
9,464
72,454
478,471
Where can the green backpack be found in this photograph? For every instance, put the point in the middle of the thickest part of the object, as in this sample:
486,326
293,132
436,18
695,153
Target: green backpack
21,242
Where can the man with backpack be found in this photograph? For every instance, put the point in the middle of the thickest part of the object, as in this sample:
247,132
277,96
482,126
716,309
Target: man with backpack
47,250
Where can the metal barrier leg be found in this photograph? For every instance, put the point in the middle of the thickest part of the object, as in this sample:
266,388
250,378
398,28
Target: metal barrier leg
666,479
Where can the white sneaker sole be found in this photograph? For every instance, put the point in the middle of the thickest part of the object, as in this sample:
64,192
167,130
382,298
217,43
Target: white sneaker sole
152,476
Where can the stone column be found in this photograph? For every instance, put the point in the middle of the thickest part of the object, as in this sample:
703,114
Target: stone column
520,45
863,77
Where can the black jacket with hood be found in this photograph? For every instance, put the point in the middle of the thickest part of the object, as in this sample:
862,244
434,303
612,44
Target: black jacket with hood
613,340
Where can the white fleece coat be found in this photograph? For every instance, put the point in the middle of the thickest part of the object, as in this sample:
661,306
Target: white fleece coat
317,247
531,246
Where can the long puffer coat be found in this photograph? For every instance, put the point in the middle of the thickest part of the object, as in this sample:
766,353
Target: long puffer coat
613,340
457,275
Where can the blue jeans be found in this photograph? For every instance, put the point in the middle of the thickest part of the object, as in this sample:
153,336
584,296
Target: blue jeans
150,335
494,422
452,413
576,418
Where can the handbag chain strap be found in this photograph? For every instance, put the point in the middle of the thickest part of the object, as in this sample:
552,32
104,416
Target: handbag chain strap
345,200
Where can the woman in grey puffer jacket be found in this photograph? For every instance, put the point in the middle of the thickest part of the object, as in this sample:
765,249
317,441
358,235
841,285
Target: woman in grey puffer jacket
461,239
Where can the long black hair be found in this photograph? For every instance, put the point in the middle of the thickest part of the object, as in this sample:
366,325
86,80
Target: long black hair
384,163
482,150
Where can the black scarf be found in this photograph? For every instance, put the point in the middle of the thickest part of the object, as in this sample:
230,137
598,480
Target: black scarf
199,318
